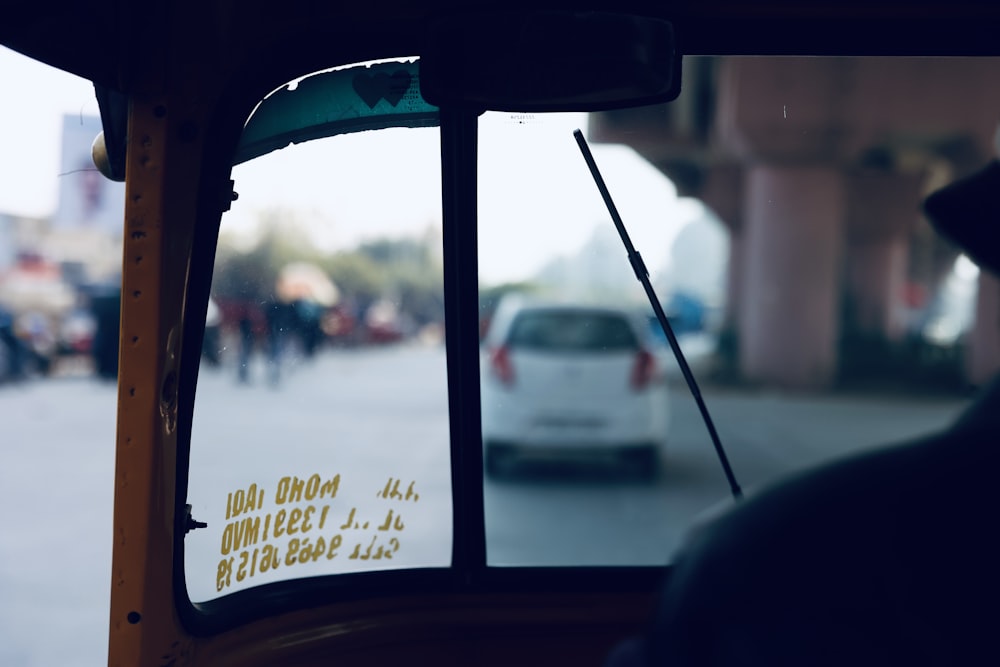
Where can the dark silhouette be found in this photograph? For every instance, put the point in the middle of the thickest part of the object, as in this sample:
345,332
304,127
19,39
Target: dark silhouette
11,349
105,303
887,558
281,324
248,341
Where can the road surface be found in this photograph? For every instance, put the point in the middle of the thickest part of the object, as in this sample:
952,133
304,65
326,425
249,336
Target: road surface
329,416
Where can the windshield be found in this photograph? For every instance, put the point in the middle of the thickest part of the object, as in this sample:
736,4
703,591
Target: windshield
320,439
776,205
817,308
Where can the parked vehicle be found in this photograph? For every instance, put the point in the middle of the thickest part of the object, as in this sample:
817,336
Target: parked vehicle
571,380
76,332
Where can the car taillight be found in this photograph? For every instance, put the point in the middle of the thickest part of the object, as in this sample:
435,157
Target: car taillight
501,365
643,370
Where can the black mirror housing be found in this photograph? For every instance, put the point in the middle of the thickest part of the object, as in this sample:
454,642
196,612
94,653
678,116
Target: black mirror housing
549,60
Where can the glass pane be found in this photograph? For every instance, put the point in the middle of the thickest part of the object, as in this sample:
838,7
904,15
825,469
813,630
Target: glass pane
819,312
320,439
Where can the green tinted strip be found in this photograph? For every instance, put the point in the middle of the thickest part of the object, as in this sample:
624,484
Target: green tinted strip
342,101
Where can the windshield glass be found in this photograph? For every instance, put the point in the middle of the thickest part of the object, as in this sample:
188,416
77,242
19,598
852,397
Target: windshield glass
320,441
776,205
817,308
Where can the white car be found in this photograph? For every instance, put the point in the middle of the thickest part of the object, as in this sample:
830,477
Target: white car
571,381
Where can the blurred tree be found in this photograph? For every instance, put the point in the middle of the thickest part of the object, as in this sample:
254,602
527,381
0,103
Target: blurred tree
404,270
356,274
414,278
250,273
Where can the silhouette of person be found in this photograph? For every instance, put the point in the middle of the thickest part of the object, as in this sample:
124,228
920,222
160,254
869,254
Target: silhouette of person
890,557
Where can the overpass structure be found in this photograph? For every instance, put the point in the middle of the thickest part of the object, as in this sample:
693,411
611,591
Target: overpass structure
818,167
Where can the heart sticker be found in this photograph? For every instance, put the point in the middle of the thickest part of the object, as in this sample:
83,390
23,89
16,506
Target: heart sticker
374,87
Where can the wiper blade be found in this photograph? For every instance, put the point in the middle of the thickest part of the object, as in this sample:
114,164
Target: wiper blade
642,274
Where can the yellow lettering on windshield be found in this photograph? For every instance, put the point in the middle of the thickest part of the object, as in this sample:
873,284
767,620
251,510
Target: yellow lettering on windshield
293,530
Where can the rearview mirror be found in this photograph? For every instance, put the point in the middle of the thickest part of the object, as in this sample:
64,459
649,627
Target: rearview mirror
549,61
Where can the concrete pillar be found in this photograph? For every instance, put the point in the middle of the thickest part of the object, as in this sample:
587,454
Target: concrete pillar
875,276
735,279
794,220
883,210
722,191
983,344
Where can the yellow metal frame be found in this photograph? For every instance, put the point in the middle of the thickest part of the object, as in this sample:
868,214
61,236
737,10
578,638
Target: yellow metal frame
160,213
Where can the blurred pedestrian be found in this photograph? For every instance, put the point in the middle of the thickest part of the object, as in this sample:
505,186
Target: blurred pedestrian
247,342
280,323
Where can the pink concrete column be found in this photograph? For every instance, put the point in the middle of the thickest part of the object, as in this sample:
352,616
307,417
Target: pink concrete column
722,192
794,219
983,348
734,280
875,280
883,209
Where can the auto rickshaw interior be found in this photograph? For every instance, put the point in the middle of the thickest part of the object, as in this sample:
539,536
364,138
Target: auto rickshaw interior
353,243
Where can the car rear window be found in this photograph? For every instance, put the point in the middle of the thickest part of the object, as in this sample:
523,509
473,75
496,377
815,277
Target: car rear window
572,331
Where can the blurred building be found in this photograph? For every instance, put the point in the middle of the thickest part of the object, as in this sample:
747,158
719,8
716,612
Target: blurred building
87,200
699,258
53,270
85,234
7,248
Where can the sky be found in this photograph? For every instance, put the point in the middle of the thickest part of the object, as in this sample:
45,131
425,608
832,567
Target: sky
550,206
36,97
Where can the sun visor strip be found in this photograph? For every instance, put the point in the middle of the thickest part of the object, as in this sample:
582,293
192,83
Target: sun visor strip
336,102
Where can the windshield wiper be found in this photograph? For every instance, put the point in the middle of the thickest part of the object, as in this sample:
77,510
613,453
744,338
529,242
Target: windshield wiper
639,267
